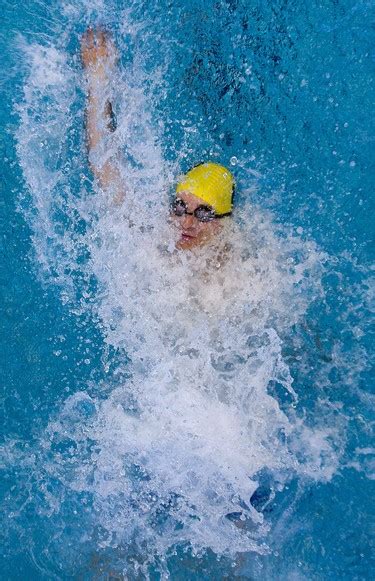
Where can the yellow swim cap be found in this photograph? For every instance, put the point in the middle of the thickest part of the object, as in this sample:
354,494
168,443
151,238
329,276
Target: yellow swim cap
211,182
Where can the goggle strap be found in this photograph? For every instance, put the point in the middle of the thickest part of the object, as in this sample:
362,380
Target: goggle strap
223,215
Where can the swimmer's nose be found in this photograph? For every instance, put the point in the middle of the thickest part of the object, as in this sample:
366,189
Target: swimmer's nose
187,221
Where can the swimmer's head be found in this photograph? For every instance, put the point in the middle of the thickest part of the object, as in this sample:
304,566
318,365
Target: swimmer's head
203,196
212,183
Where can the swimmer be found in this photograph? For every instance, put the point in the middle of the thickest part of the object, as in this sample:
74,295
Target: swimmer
203,196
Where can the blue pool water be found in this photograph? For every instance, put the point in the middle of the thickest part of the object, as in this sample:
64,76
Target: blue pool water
117,458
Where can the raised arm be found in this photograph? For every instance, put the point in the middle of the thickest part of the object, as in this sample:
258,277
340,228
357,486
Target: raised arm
99,60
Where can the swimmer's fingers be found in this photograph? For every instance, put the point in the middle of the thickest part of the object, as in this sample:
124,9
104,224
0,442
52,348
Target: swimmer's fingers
88,40
97,48
102,37
88,47
106,44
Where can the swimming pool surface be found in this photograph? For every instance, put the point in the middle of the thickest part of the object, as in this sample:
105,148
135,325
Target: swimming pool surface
109,468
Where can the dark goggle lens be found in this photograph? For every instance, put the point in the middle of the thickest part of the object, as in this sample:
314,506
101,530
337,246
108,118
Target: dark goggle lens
204,214
179,207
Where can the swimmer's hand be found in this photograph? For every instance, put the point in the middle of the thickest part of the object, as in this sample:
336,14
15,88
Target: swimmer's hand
98,51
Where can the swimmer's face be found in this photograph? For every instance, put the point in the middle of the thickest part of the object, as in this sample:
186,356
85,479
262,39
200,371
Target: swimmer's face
194,233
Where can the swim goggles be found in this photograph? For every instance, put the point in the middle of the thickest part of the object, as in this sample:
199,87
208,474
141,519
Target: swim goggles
201,213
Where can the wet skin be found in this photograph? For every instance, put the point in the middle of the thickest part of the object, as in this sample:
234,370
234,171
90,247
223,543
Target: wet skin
194,233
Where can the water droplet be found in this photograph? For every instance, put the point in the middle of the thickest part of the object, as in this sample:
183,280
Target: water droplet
233,160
